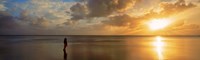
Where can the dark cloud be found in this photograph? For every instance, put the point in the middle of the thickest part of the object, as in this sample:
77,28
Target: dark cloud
7,21
24,24
98,8
178,6
122,20
24,15
40,22
33,21
80,0
69,22
79,11
8,24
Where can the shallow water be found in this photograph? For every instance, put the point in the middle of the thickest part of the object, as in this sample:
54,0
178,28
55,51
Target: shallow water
99,48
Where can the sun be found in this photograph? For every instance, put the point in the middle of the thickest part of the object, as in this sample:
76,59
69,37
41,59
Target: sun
157,24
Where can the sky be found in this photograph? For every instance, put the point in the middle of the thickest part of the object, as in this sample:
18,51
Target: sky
99,17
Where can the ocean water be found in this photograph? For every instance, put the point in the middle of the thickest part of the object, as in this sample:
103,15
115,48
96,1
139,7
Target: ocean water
99,48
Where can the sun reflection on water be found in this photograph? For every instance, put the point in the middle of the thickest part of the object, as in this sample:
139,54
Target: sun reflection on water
159,47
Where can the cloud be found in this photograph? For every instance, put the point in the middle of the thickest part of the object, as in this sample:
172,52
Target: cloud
79,11
7,21
2,8
8,24
84,16
33,21
189,29
101,8
137,22
122,20
168,9
51,9
41,22
178,6
33,17
56,11
104,8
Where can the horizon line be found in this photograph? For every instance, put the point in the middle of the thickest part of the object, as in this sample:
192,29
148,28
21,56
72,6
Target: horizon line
115,35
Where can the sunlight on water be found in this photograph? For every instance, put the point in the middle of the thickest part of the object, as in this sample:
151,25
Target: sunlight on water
159,47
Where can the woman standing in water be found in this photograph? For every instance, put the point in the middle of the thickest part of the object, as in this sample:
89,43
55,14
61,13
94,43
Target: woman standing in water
64,49
65,43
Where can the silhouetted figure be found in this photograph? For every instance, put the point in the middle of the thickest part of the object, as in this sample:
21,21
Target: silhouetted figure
65,54
65,43
64,49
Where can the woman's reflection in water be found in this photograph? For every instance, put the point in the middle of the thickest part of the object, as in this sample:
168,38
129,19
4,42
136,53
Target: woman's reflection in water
65,54
64,49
